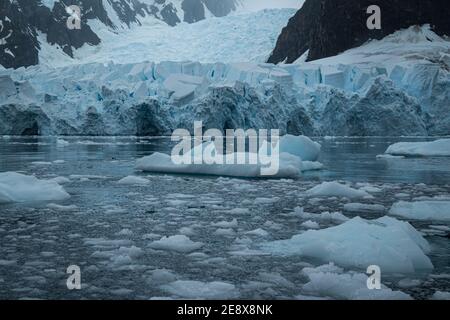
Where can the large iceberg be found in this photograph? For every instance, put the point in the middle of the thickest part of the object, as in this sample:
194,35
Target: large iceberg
16,187
393,245
290,167
205,159
426,149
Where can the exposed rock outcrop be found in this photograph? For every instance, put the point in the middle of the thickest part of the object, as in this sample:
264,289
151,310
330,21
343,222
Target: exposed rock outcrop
329,27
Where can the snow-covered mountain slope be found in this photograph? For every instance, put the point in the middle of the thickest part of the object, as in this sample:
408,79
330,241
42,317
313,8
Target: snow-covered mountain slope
23,21
229,39
403,90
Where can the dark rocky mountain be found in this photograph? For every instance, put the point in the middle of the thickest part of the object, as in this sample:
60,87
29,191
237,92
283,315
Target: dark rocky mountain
329,27
21,21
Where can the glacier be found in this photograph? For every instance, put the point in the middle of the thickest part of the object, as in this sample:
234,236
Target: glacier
398,86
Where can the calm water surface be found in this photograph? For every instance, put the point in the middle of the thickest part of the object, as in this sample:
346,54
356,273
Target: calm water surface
38,242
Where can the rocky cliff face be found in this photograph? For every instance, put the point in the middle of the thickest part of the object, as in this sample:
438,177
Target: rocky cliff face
329,27
21,21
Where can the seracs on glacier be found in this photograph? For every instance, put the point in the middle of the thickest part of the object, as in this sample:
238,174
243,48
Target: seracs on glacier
392,87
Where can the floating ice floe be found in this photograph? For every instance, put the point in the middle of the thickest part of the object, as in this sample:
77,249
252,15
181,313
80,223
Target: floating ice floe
178,243
422,210
293,150
133,180
160,276
58,207
290,166
202,290
335,189
426,149
16,187
393,245
331,281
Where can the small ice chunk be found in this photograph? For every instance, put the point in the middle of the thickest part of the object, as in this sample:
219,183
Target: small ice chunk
62,208
358,207
187,231
300,146
60,180
310,225
324,216
335,189
225,224
124,232
202,290
389,157
133,180
161,276
41,163
178,243
62,143
258,232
